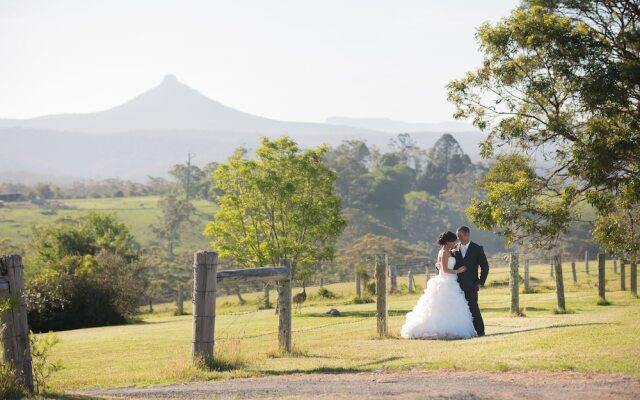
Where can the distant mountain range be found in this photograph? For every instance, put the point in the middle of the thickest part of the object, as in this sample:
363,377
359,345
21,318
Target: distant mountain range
148,134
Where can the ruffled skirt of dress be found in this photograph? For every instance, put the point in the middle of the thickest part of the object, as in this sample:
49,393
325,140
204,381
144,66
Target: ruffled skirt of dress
442,312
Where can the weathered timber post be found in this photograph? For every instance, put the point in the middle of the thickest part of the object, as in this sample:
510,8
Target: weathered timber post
284,310
601,280
394,280
615,265
513,284
266,303
526,275
16,349
557,261
427,275
573,272
586,261
551,267
623,277
358,290
180,300
381,293
321,283
634,278
410,279
205,266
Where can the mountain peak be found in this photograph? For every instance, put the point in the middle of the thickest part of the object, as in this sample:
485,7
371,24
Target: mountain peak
169,79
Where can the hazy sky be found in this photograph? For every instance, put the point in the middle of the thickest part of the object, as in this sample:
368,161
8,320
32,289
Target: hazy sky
284,59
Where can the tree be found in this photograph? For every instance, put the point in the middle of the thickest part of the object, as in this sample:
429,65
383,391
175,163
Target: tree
190,177
425,217
560,81
351,160
363,251
280,205
87,235
175,213
444,159
518,204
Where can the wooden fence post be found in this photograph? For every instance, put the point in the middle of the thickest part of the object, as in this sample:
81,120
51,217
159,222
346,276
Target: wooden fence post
551,267
427,275
394,279
615,265
205,266
284,312
634,278
586,261
623,277
601,280
573,272
557,261
526,275
410,279
513,284
266,302
358,290
15,328
180,300
381,293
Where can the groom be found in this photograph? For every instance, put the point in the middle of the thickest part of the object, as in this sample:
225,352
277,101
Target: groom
472,256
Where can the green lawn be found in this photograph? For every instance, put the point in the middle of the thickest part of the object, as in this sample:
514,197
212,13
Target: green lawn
16,219
157,351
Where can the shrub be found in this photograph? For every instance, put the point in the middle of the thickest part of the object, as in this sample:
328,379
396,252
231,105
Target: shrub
43,367
325,293
10,385
80,292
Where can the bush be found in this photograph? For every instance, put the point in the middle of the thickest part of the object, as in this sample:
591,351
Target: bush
362,300
80,292
10,385
43,367
325,293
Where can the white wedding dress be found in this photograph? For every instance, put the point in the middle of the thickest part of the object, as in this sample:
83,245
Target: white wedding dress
442,312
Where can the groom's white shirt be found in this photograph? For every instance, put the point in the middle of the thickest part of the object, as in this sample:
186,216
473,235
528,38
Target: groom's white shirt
463,249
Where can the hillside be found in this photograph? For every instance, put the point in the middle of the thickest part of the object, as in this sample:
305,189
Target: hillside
149,133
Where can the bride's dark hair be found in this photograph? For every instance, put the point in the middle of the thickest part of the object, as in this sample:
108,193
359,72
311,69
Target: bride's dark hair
447,237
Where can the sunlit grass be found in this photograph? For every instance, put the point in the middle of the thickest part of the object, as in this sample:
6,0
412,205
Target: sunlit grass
589,338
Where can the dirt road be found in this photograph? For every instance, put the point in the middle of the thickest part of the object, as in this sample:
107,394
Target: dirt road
401,386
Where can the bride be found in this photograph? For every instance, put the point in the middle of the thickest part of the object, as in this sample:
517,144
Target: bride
442,312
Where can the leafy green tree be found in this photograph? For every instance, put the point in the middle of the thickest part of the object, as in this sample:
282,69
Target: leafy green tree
87,235
560,81
445,158
351,160
362,251
519,206
280,205
424,218
190,177
175,213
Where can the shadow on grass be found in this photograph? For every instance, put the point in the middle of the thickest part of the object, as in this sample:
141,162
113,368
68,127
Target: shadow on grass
64,396
359,314
332,370
549,327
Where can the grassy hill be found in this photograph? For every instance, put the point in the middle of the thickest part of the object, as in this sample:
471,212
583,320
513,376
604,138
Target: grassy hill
16,219
156,351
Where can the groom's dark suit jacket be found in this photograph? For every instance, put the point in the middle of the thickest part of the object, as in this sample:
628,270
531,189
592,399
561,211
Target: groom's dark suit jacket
474,258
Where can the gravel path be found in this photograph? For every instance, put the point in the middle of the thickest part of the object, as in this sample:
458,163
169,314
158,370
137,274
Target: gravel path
400,386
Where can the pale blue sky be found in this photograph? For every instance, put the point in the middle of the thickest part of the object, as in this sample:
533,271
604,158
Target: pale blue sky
289,59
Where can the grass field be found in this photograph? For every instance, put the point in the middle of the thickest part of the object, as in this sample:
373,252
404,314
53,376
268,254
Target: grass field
16,219
157,350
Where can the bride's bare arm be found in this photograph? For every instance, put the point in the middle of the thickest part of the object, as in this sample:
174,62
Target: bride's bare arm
445,265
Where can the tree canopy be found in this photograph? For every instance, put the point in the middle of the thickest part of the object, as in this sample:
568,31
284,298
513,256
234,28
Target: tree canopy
282,204
560,81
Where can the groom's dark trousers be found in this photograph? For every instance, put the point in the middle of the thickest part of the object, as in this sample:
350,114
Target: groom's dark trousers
474,258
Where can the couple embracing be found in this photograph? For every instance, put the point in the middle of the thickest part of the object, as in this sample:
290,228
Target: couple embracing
449,306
